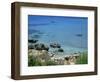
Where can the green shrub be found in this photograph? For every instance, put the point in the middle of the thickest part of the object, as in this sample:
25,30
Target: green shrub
83,58
33,62
50,63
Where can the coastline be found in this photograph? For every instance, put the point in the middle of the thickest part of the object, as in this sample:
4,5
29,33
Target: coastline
45,58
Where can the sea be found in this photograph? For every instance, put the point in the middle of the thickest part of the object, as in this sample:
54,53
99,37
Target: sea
70,32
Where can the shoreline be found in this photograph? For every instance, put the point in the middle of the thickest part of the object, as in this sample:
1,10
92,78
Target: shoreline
44,57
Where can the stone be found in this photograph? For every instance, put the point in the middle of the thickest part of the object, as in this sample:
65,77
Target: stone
32,41
30,47
60,50
70,60
55,45
41,46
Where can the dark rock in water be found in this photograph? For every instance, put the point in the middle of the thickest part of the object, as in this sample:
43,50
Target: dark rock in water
79,35
38,46
55,45
30,47
60,50
53,22
75,53
41,46
46,48
32,41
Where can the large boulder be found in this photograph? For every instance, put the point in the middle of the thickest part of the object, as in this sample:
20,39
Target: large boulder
55,45
32,41
70,60
30,47
41,46
60,50
39,55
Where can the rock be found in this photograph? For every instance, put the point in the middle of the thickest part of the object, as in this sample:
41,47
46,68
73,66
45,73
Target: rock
75,53
70,60
38,46
60,50
67,58
76,57
59,61
46,48
32,41
55,45
30,47
51,54
41,46
44,55
39,55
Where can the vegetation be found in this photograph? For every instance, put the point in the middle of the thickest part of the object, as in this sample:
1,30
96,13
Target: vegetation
82,59
50,63
32,61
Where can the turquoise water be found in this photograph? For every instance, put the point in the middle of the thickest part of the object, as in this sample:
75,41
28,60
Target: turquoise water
69,32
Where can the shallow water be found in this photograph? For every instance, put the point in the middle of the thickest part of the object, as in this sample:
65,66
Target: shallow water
69,32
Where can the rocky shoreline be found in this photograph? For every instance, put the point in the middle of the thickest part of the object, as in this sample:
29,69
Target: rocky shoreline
41,52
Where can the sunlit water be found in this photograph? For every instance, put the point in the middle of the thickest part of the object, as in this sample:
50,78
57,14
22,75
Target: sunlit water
69,32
